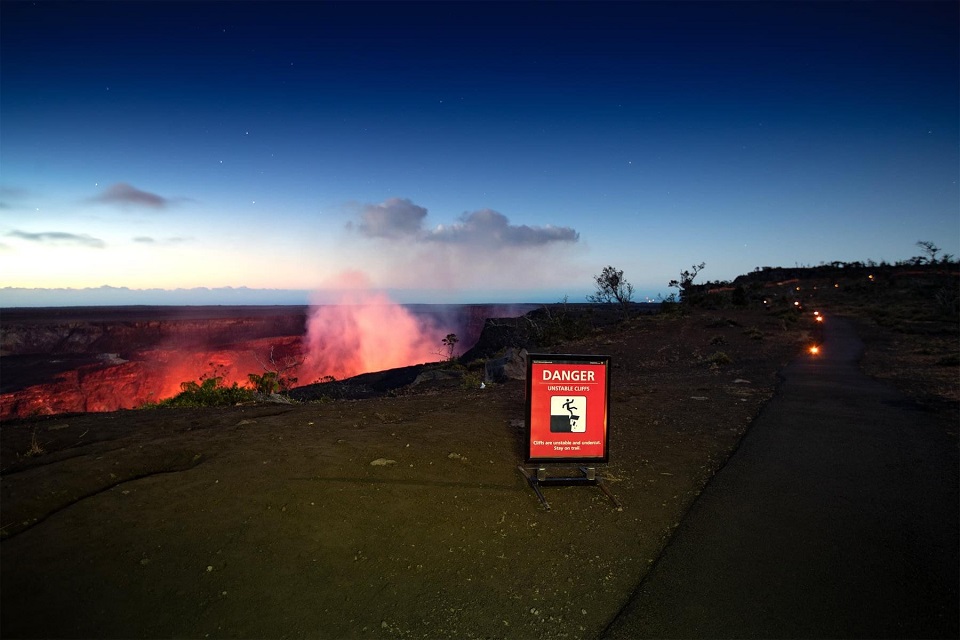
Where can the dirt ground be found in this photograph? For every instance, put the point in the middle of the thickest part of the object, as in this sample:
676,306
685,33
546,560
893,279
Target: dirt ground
397,517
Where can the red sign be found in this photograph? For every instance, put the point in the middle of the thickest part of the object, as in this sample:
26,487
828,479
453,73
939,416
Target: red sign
567,408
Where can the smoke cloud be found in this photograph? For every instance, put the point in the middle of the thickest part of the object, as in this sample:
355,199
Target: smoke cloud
363,331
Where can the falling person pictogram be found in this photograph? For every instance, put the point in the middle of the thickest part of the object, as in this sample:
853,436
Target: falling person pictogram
566,413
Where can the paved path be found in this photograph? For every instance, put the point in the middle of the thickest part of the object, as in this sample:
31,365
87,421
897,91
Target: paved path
837,517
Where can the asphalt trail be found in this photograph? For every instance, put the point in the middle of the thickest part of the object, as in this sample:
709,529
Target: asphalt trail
837,517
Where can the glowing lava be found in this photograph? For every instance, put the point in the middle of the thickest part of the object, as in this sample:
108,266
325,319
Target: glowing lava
108,359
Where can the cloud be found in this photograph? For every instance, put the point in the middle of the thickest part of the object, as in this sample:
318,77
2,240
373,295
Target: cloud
159,241
15,194
479,250
59,237
399,218
393,218
488,227
126,195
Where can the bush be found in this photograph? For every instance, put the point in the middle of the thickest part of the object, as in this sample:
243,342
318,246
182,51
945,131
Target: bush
684,284
718,359
471,380
753,333
265,384
670,306
739,296
210,392
612,287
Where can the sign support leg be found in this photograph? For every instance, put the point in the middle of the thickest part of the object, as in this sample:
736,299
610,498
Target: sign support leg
533,481
589,477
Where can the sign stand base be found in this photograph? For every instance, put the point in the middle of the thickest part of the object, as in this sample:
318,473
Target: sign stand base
538,476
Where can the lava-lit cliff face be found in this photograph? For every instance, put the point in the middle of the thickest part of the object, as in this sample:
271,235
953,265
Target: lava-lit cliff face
113,383
91,330
104,359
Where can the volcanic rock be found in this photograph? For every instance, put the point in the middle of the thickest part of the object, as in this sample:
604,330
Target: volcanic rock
512,366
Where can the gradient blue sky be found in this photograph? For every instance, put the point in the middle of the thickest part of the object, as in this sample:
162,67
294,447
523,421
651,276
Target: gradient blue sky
464,152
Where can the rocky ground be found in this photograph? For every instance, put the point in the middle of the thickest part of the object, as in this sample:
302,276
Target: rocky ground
401,516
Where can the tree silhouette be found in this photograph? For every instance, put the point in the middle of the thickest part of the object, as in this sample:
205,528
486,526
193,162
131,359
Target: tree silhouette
685,284
612,287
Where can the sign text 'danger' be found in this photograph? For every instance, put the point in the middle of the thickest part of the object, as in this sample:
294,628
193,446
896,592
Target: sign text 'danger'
567,375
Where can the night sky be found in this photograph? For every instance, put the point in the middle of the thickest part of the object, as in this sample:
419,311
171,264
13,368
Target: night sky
459,152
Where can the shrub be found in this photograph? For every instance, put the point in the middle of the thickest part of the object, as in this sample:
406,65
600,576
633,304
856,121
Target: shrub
669,306
720,323
612,287
211,392
265,384
718,359
739,296
753,333
684,284
471,380
36,449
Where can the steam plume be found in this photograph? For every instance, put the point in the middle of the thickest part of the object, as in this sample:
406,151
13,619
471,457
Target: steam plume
364,331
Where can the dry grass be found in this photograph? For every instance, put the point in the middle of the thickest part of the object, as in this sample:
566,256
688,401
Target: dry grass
36,449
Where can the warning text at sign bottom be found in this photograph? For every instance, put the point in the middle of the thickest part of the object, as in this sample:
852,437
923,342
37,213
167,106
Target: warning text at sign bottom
568,445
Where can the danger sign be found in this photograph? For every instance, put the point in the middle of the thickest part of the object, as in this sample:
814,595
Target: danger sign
567,408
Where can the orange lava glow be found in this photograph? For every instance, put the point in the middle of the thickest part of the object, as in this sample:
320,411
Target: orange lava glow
150,376
363,332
